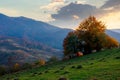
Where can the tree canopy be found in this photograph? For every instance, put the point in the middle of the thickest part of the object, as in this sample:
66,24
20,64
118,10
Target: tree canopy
90,35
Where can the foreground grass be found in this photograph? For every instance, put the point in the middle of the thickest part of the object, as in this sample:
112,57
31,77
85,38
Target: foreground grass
104,65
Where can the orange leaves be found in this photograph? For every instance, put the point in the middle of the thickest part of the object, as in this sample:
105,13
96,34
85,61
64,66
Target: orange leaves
111,42
92,25
42,62
16,67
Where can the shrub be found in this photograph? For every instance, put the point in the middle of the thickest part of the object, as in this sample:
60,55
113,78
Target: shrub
26,66
40,73
117,57
2,70
73,67
16,67
40,62
66,72
79,67
46,71
57,71
53,59
62,67
62,78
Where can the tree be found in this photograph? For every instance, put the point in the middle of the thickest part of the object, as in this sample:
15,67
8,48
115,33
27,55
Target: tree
53,59
40,62
26,66
93,33
2,70
70,44
16,67
89,36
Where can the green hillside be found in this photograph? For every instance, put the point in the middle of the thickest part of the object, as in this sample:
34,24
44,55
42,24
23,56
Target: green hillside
104,65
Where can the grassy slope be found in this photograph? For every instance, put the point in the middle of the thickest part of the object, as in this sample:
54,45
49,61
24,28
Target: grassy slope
104,65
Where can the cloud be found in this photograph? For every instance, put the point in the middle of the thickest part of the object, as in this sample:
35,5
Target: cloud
114,4
70,15
53,6
76,17
80,2
49,18
57,0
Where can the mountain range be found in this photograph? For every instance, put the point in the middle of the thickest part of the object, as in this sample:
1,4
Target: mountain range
32,30
26,40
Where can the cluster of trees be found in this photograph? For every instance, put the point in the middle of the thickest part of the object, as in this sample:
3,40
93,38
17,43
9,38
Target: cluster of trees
14,67
89,36
17,66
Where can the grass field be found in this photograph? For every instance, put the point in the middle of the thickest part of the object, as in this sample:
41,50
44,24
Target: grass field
104,65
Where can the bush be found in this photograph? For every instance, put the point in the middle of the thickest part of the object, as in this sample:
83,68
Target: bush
40,73
66,72
57,71
117,57
73,67
40,62
53,59
16,67
79,67
2,70
62,78
26,66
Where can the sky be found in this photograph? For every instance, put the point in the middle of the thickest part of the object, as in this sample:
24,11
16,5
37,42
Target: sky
64,13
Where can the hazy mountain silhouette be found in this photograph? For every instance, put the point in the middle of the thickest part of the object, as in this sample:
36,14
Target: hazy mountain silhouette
32,30
114,34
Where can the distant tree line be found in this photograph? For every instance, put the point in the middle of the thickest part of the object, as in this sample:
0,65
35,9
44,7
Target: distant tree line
89,36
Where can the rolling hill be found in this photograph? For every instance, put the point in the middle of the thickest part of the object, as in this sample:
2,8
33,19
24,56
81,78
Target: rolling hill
102,65
21,51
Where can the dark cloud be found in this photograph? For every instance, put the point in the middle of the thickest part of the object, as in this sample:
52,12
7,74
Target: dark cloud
74,13
111,3
81,10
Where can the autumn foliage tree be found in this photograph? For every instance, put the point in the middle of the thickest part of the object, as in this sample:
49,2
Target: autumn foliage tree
16,67
111,42
70,43
90,35
40,62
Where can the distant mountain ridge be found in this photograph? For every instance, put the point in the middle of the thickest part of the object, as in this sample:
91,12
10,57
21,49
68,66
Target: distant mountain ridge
32,30
114,34
116,30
